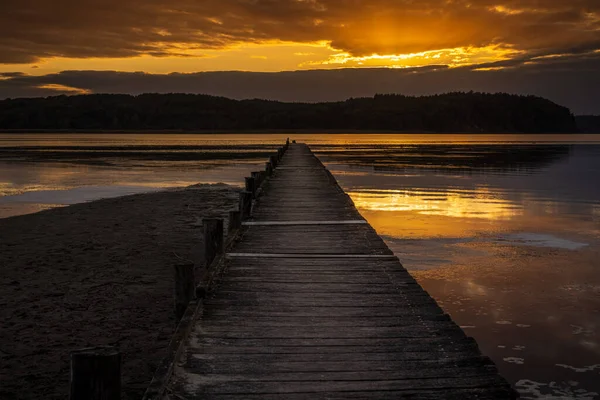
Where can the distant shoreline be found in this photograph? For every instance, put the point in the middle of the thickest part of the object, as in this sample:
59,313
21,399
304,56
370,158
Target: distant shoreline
476,113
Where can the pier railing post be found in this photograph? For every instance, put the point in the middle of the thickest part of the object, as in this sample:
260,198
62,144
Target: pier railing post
257,178
269,168
235,221
251,186
213,239
185,286
95,374
273,160
245,204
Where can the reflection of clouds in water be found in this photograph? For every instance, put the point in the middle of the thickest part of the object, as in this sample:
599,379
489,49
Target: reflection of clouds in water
581,369
590,345
514,360
75,195
516,245
28,187
578,330
529,389
473,288
538,240
479,203
583,287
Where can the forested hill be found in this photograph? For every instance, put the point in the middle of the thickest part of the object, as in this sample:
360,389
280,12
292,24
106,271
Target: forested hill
452,112
588,123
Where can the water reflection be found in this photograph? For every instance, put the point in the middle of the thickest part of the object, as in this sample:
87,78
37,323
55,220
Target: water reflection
27,187
448,157
511,250
503,232
477,203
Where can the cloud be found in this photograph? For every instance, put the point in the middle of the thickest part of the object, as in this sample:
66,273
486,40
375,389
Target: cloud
572,81
11,74
31,30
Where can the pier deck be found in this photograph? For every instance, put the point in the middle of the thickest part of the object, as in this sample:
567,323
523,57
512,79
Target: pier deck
313,304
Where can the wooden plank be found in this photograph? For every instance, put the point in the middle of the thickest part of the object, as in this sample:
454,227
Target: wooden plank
378,359
282,223
263,365
488,393
357,351
477,372
407,331
305,255
339,322
463,381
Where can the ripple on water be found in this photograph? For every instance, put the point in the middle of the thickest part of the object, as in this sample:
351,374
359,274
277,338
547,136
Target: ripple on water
529,389
539,240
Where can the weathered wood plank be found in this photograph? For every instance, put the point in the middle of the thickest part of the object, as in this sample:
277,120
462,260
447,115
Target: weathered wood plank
464,381
331,321
378,358
265,365
477,373
488,393
358,351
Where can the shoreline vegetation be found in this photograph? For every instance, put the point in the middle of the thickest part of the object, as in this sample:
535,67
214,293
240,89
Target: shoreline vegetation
588,123
100,274
387,113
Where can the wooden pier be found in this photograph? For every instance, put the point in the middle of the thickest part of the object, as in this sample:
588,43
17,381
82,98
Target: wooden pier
309,302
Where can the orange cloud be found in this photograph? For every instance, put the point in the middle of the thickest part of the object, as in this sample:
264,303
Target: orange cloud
360,30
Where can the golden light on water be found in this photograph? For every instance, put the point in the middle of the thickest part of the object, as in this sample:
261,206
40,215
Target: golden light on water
482,203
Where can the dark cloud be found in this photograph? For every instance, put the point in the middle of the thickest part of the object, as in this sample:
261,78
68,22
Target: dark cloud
570,81
11,74
33,29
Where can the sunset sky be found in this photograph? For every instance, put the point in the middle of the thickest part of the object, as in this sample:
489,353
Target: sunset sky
544,47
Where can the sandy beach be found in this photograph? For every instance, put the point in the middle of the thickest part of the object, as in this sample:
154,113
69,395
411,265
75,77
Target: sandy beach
91,274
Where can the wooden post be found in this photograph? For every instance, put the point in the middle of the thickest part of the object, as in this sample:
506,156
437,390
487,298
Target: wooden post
245,204
251,186
273,160
269,168
287,142
235,221
184,288
257,178
213,239
95,374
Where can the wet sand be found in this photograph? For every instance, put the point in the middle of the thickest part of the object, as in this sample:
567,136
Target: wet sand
93,274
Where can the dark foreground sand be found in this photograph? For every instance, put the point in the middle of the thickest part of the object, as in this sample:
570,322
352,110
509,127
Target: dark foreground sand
94,274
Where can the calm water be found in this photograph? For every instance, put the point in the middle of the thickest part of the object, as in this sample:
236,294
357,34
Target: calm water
503,231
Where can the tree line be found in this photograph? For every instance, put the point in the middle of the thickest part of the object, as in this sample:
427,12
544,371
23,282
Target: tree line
588,123
470,112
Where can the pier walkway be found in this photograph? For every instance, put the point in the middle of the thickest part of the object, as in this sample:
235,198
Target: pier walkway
313,304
